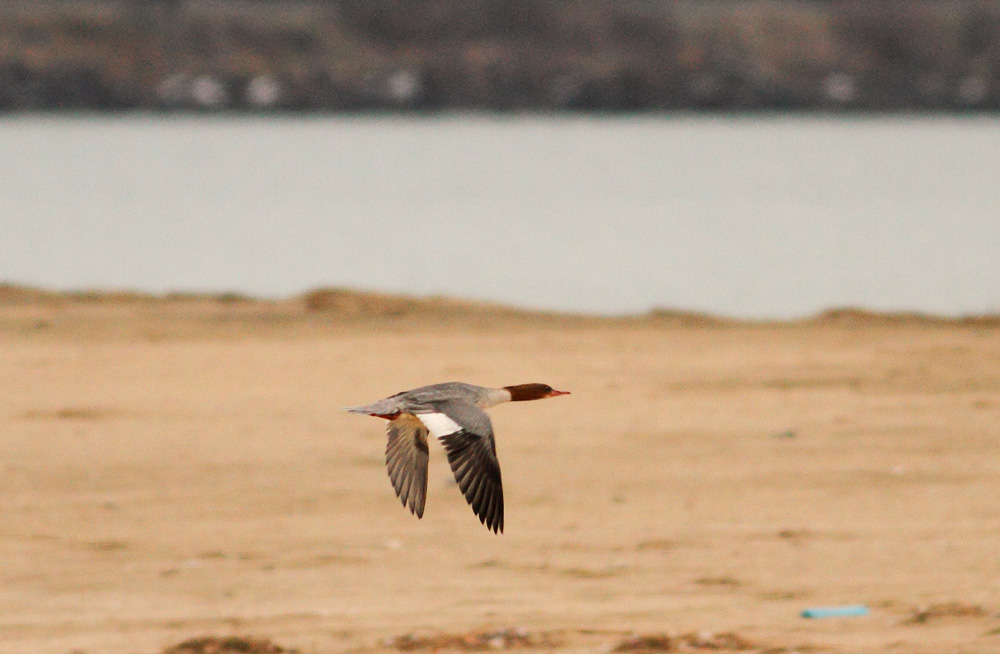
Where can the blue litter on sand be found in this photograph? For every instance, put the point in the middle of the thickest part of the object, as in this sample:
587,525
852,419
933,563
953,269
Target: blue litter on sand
836,611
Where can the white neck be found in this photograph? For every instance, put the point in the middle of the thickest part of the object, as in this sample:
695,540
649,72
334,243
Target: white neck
493,397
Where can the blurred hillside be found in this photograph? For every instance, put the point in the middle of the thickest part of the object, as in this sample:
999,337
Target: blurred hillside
597,55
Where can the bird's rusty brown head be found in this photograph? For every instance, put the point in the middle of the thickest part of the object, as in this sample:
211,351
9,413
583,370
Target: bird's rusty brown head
523,392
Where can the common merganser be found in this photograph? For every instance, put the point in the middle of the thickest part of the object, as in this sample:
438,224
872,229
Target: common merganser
453,413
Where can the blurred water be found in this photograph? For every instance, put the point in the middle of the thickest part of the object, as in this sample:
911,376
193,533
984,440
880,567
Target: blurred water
751,217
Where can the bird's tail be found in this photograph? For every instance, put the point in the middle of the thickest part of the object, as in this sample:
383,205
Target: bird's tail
382,408
365,410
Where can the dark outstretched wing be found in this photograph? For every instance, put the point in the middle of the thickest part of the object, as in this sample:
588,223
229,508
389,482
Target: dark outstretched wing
467,436
406,460
473,459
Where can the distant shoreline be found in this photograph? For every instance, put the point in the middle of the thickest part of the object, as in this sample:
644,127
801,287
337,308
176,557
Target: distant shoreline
354,305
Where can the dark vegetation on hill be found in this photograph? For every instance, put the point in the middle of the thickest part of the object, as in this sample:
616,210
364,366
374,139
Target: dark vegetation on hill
499,55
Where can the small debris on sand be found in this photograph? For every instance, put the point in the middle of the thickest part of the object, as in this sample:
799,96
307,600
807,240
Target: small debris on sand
649,643
228,645
946,610
702,640
724,580
476,641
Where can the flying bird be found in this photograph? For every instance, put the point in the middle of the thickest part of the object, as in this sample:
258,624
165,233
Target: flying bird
453,413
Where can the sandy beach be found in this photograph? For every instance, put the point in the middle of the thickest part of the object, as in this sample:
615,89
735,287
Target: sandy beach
178,468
